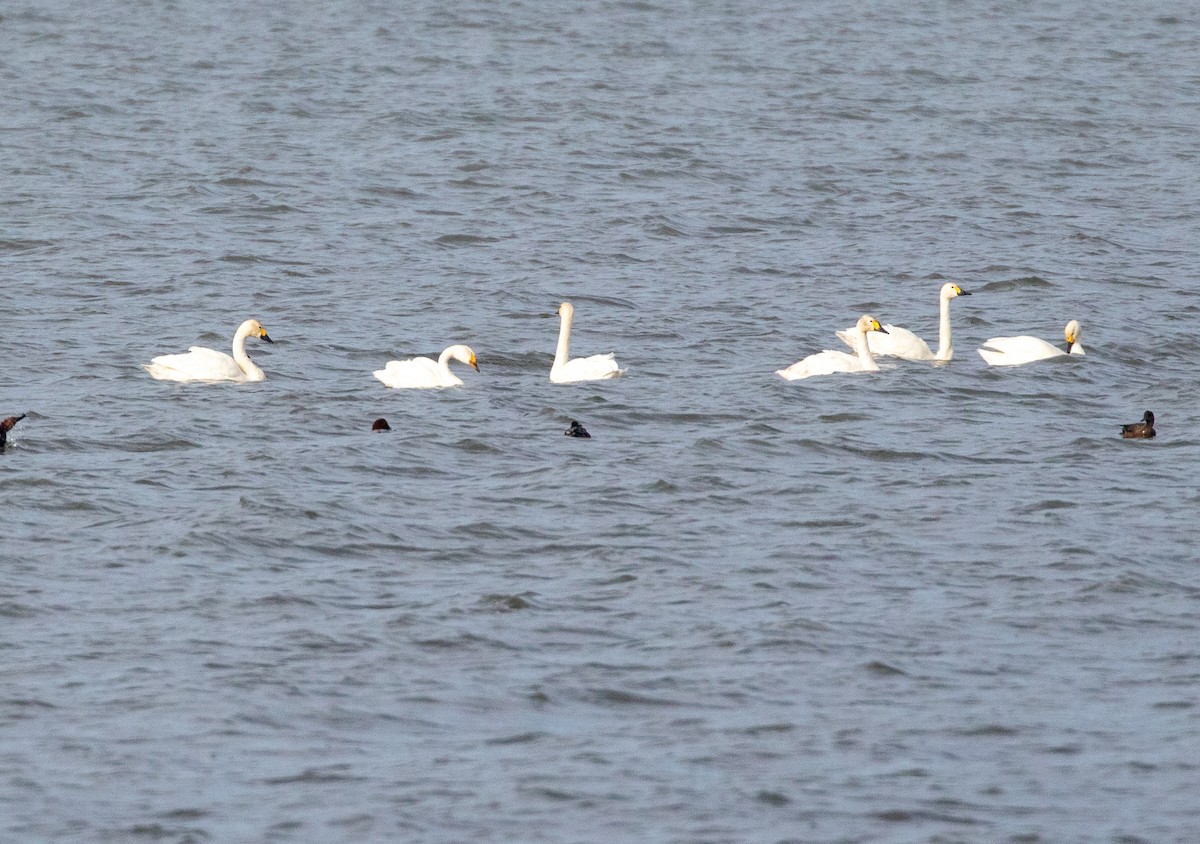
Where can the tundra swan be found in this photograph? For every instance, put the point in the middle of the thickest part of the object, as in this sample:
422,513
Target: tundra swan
201,364
830,361
593,368
1014,351
426,373
902,343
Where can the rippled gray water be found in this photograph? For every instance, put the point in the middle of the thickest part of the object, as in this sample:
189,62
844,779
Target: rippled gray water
927,604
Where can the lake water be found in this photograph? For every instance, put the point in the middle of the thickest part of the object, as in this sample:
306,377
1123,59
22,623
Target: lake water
929,604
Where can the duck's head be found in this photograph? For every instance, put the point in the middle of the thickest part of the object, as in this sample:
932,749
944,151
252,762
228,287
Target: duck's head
380,425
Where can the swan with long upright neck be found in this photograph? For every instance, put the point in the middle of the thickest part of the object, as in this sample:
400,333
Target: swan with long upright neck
565,370
830,361
201,364
902,343
426,373
1014,351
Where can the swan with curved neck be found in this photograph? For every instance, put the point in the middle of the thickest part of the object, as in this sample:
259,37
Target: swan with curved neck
202,364
830,361
565,370
902,343
1014,351
426,373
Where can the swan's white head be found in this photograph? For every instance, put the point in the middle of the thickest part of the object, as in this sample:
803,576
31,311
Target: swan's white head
464,354
1071,332
866,323
252,328
566,310
950,290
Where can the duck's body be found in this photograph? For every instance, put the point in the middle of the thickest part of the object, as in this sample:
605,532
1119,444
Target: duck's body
831,361
565,370
577,430
1014,351
203,364
895,341
6,426
426,373
1143,430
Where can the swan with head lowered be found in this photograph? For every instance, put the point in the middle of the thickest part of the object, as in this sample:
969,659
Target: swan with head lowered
902,343
201,364
565,370
1014,351
426,373
830,361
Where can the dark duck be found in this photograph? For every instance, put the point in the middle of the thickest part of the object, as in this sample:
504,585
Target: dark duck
1143,430
6,426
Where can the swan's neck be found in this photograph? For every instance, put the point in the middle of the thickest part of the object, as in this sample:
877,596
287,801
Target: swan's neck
562,353
444,359
945,351
864,351
253,373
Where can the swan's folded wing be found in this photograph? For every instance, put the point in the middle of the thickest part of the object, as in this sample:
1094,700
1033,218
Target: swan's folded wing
1014,351
594,368
415,373
197,364
821,363
898,342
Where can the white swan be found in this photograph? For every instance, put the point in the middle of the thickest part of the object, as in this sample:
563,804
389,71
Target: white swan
426,373
830,361
1014,351
201,364
593,368
902,343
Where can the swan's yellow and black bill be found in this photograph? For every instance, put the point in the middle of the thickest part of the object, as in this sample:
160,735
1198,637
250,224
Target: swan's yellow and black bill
262,332
474,363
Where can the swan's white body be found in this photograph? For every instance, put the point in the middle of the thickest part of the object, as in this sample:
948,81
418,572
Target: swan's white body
830,361
902,343
565,370
426,373
201,364
1014,351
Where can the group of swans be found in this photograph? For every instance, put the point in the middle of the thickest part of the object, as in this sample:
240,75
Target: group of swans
201,364
869,339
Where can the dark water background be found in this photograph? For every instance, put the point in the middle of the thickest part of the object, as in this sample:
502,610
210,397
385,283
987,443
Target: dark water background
931,604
